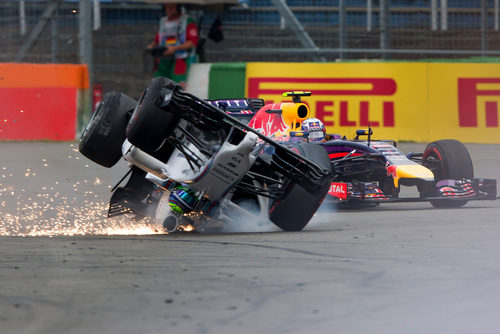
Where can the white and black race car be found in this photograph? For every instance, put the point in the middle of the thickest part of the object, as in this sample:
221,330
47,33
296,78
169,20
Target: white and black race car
191,158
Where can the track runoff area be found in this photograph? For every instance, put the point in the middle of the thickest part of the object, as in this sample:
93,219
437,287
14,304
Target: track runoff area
384,269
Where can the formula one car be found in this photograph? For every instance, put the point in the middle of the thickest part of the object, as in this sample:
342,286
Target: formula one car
191,159
369,171
373,171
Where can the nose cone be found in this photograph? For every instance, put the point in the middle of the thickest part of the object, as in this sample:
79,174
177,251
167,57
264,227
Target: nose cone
412,171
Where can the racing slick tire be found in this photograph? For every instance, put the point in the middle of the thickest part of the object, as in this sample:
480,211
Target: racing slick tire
150,125
102,138
454,162
297,206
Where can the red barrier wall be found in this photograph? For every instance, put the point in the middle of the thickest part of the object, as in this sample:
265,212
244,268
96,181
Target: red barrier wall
40,102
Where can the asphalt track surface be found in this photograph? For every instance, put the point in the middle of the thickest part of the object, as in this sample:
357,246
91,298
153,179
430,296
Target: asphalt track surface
397,268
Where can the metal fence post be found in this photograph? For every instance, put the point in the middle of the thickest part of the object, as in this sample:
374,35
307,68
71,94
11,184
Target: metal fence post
54,39
97,15
85,53
341,29
434,15
444,15
384,28
369,19
85,33
495,15
484,27
22,17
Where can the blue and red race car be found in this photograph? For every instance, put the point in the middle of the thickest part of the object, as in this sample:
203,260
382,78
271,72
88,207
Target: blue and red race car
367,170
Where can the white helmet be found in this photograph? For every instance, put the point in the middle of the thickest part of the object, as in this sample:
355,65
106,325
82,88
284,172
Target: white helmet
316,129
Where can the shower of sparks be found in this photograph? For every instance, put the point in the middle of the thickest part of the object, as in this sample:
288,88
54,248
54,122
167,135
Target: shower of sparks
188,228
43,217
48,212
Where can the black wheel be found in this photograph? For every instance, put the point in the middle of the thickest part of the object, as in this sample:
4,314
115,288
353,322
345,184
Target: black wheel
297,206
102,138
150,125
448,159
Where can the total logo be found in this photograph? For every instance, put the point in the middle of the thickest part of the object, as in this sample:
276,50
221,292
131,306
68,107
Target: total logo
338,190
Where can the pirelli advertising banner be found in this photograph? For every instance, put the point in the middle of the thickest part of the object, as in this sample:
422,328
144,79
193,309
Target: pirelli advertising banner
416,101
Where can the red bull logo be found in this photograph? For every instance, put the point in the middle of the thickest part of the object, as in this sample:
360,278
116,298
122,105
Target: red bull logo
269,123
336,112
392,170
314,126
469,90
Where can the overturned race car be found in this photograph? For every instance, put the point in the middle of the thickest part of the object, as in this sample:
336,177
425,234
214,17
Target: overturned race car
191,159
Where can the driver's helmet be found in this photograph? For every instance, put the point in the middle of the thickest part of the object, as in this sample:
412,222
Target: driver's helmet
316,129
182,200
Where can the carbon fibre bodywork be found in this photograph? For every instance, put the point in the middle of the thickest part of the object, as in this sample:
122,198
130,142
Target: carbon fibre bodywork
190,157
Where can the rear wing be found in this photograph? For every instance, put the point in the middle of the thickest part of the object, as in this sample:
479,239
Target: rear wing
234,106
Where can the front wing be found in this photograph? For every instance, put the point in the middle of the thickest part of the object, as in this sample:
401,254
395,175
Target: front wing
465,189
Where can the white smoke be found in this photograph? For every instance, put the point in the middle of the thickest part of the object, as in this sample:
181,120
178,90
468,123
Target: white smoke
324,216
246,216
